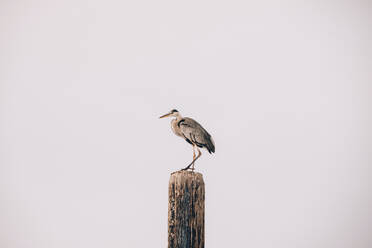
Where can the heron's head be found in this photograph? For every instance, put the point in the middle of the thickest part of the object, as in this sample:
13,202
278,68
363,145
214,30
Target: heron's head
173,113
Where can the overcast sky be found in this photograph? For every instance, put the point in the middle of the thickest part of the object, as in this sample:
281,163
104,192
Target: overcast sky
283,87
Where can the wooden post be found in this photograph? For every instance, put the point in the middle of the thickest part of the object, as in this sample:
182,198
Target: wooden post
186,210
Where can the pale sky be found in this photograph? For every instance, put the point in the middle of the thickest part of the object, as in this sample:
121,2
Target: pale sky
283,87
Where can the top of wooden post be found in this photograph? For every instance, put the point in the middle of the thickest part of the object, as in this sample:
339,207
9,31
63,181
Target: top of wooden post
186,176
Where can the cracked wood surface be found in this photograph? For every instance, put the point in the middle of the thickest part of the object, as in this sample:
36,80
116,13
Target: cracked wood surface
186,210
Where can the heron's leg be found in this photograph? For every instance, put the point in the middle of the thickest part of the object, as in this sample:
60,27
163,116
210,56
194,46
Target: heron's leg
199,154
193,158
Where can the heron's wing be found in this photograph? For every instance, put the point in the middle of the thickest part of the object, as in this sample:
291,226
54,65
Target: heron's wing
194,132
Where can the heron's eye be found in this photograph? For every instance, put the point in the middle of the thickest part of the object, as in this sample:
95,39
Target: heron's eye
174,110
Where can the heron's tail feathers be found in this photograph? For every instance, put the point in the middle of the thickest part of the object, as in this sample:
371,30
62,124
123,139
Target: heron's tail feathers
210,145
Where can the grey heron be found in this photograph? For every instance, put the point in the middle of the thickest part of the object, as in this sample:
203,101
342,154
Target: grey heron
192,132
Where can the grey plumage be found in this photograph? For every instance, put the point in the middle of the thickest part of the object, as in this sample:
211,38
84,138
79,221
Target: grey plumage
194,132
190,130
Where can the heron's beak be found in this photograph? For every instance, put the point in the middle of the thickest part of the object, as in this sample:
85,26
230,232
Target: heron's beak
166,115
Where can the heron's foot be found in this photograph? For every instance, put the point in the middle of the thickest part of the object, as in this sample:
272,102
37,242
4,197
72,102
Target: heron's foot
188,169
185,169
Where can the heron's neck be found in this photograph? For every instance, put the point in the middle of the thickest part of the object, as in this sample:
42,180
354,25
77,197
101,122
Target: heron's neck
178,117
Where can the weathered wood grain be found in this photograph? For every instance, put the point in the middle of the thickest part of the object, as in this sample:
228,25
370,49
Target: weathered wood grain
186,210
